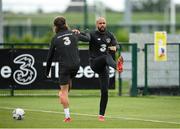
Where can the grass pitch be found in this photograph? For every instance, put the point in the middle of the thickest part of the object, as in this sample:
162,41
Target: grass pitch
122,112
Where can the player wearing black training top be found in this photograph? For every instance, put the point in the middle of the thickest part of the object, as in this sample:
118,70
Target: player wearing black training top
100,44
65,43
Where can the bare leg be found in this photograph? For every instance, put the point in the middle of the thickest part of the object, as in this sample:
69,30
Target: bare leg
63,96
64,100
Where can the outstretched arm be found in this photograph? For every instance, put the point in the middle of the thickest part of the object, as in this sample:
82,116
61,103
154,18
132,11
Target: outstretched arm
82,36
85,37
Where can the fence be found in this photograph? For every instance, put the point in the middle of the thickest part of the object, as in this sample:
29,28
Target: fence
129,53
162,77
10,52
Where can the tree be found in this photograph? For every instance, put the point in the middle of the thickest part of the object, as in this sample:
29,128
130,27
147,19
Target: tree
150,5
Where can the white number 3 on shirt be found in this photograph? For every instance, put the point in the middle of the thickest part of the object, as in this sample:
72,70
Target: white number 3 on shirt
103,48
67,41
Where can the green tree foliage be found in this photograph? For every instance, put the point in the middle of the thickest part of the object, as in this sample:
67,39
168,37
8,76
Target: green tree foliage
150,5
122,35
28,38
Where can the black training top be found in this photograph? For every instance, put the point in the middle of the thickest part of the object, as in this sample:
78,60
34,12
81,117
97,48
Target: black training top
99,43
65,44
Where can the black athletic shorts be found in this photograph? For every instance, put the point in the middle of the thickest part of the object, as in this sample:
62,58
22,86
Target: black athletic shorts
66,74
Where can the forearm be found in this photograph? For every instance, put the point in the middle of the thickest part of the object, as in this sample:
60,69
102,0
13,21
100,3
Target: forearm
85,37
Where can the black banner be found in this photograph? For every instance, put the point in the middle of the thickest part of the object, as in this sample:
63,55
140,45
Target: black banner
25,69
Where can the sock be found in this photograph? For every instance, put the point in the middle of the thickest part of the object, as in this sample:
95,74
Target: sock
66,111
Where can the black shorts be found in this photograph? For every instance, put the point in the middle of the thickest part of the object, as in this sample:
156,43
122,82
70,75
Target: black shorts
66,74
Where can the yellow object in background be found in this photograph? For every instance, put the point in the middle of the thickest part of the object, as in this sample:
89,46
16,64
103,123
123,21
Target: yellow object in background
160,46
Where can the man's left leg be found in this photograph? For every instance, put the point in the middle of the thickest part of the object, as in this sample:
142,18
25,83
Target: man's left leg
104,84
63,96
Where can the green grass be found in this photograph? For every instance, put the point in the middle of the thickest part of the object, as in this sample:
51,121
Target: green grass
122,112
76,18
74,92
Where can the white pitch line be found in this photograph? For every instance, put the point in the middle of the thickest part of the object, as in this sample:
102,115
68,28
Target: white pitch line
93,115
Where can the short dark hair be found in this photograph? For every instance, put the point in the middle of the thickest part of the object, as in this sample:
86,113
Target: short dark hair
60,23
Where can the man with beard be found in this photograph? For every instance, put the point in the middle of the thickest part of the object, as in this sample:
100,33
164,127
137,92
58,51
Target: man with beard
101,44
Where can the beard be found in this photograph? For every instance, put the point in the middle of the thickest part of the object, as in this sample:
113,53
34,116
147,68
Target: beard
102,29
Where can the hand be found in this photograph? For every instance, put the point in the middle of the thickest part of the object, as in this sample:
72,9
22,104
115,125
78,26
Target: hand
76,31
112,48
47,74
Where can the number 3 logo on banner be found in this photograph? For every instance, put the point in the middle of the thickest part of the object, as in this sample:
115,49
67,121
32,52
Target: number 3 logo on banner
26,73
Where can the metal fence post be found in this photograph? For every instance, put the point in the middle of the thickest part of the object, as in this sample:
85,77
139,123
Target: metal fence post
179,69
85,15
133,91
145,90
